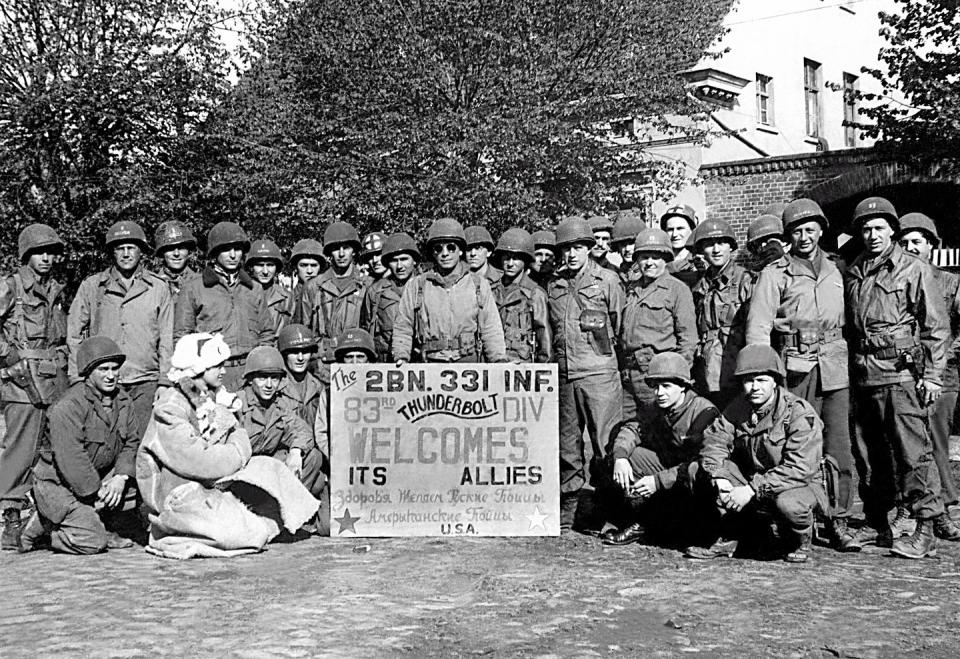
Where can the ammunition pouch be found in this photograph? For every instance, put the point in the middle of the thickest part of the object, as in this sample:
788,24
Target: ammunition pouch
806,339
594,323
889,346
465,345
519,342
639,359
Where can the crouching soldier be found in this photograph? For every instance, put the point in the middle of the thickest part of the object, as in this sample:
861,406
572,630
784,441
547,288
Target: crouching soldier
761,459
646,482
355,346
522,304
273,425
87,458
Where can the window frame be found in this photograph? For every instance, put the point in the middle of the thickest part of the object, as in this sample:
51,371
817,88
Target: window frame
764,100
851,85
813,97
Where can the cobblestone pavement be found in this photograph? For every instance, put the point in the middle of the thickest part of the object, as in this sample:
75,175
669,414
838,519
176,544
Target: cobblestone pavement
462,597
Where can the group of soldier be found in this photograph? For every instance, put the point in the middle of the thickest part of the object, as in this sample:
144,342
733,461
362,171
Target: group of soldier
702,402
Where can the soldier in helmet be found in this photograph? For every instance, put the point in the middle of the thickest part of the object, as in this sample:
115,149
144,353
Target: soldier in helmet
602,228
586,309
355,346
273,424
132,306
448,314
798,307
87,458
622,240
480,246
226,299
900,335
679,222
761,459
646,482
522,304
174,244
765,241
265,262
33,327
658,317
307,259
918,235
721,298
401,256
544,258
331,302
370,262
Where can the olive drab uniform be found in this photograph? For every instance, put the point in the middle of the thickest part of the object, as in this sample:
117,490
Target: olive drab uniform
232,306
138,314
176,281
900,330
586,310
378,312
941,412
279,302
448,319
525,319
33,330
658,317
797,307
721,301
330,306
684,270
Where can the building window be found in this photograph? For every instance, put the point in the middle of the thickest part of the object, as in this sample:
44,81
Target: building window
811,92
851,84
764,100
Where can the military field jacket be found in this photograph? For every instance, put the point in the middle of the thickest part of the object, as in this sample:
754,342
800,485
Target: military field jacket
377,313
658,317
525,319
721,301
275,427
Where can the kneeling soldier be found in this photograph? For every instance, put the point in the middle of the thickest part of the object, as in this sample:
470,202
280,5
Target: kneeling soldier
355,346
87,457
762,458
647,469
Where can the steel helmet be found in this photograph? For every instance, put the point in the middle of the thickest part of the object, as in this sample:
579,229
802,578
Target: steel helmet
35,236
801,211
919,222
544,238
373,243
626,228
574,229
126,231
352,340
307,247
476,235
875,207
399,243
668,366
265,250
264,360
296,337
97,350
765,226
680,210
654,240
757,359
712,229
224,234
600,223
516,241
775,209
447,229
340,233
173,234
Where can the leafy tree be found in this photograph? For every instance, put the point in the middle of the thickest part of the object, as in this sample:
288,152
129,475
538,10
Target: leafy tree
394,112
96,97
921,65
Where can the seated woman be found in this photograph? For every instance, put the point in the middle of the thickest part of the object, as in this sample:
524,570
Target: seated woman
203,493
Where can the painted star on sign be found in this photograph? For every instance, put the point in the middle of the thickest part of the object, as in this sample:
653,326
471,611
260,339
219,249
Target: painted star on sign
347,523
537,519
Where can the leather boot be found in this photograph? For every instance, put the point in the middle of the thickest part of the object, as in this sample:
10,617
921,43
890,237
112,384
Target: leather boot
844,540
10,538
902,525
34,535
921,543
718,549
801,553
628,535
882,537
945,528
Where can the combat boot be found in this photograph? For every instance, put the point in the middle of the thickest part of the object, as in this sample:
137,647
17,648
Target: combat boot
718,549
10,538
902,525
630,534
882,537
921,543
944,527
801,553
844,540
34,535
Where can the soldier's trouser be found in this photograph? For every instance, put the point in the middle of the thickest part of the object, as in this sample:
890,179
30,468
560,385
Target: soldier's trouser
834,409
895,440
941,418
75,527
594,401
639,399
18,452
142,394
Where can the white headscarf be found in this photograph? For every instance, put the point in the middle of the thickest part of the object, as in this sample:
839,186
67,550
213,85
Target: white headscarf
195,353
